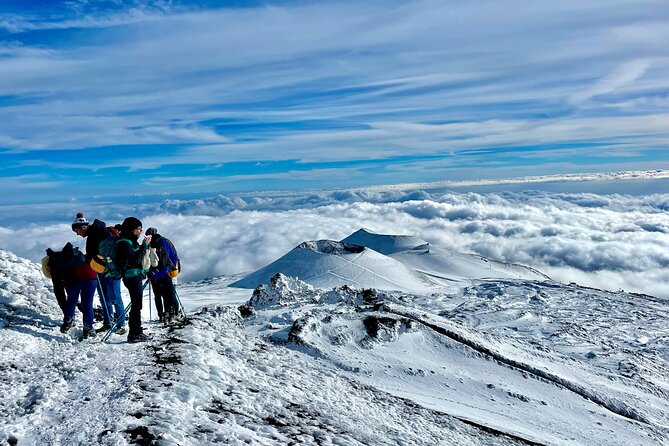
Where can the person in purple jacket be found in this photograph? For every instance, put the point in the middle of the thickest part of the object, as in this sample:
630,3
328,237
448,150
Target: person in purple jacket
166,301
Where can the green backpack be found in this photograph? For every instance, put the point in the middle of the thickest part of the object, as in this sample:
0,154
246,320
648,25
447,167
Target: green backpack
107,250
113,268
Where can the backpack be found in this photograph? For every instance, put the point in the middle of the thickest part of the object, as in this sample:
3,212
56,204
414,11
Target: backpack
71,257
46,269
174,269
65,260
107,253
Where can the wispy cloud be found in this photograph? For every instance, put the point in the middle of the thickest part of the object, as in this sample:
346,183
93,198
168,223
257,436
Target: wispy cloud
623,75
330,81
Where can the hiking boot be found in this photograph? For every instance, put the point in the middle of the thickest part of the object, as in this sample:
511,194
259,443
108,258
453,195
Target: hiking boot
89,333
66,326
137,338
120,330
103,328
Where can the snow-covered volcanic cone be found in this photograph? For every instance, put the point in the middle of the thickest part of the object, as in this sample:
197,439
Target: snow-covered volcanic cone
366,259
328,263
384,243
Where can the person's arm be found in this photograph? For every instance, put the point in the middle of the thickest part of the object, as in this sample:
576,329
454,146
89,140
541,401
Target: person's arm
128,255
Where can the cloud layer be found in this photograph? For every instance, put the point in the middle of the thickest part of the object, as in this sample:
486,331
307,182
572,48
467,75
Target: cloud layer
605,241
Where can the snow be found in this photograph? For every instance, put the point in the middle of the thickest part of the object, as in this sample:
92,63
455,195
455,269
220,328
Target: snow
383,261
375,339
327,263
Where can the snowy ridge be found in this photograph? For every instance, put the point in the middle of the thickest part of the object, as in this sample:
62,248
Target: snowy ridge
389,340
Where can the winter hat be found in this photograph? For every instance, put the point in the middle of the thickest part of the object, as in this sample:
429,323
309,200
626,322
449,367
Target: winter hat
130,224
151,231
79,221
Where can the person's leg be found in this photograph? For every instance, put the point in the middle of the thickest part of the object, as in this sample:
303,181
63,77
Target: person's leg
158,299
134,286
59,289
169,296
87,294
107,309
70,306
117,302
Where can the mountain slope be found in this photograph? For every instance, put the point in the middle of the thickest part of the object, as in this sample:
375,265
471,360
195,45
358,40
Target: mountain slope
327,263
202,381
480,362
391,262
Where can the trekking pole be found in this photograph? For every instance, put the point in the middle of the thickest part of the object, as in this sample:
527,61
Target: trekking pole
103,300
115,324
112,329
150,317
181,307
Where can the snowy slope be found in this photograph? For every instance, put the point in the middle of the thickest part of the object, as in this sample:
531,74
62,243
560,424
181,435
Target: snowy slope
327,263
492,374
202,381
437,262
390,262
494,361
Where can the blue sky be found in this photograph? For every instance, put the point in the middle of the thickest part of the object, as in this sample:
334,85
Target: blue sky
106,98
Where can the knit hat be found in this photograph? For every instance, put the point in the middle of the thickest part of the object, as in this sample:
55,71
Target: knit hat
151,231
130,224
79,221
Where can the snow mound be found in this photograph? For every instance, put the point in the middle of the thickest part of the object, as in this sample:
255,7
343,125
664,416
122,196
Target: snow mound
280,291
383,243
283,291
25,294
328,264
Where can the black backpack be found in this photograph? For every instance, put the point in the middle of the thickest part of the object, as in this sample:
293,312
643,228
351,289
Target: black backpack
67,259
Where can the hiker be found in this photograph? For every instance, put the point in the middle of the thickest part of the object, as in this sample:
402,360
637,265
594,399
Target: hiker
80,281
51,267
110,298
161,276
129,255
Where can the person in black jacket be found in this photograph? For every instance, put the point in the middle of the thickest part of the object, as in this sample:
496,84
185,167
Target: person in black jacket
110,299
68,267
129,254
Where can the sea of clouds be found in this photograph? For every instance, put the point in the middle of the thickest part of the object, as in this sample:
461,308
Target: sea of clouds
609,241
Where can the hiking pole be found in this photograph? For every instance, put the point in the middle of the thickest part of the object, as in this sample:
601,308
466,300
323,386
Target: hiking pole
181,307
103,300
112,329
150,317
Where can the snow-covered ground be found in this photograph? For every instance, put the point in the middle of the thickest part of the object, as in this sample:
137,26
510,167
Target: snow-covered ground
463,351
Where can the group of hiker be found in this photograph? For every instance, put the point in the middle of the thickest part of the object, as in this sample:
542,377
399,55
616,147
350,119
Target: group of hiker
114,254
